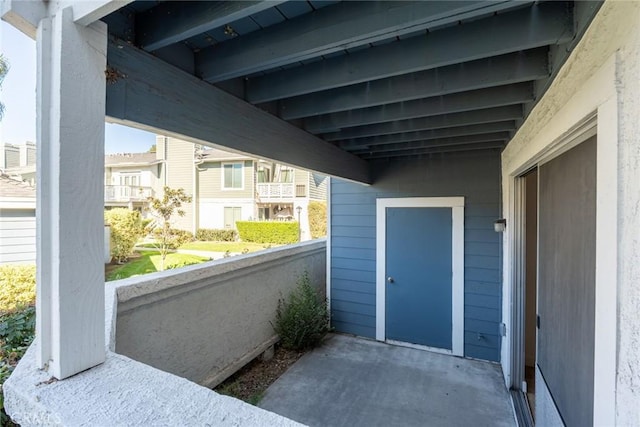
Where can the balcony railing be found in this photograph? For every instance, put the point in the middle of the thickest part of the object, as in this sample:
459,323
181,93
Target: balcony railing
126,193
275,190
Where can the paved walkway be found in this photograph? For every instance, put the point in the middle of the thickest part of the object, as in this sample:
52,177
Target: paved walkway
355,382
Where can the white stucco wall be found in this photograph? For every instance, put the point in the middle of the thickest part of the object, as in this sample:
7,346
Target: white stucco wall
211,212
126,392
219,314
123,392
628,378
599,79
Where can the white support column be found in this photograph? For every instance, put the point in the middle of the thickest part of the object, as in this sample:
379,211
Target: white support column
70,133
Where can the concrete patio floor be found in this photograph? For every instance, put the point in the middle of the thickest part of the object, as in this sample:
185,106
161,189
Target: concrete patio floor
356,382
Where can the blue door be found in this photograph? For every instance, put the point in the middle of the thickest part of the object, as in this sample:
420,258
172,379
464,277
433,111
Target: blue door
419,276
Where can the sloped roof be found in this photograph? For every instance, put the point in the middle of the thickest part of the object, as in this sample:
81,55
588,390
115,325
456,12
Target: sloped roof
122,159
10,187
216,154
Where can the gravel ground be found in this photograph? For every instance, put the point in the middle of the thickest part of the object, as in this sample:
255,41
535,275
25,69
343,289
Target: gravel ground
250,383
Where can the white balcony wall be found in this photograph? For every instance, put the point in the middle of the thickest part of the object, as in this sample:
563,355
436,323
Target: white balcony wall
218,314
275,191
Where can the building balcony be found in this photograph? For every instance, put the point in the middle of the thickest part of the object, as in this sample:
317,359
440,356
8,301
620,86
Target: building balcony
126,193
275,191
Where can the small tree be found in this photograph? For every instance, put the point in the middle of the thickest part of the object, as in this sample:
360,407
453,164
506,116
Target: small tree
164,210
4,69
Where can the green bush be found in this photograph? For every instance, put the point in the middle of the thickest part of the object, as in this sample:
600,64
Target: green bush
182,263
17,330
216,235
148,224
17,320
302,320
268,232
318,219
17,286
176,237
126,229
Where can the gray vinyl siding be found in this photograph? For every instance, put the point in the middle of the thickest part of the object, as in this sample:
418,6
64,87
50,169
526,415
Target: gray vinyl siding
301,180
300,176
31,156
11,157
17,236
318,186
180,158
353,241
210,181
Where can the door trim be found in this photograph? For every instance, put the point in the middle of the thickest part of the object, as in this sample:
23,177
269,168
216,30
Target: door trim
457,259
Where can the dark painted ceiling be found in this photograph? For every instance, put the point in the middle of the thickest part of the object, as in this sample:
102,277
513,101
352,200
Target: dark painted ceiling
377,79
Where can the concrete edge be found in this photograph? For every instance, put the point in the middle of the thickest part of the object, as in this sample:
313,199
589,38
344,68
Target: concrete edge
170,283
215,380
122,392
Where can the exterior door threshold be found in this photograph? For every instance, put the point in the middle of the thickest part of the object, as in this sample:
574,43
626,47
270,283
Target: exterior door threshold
420,347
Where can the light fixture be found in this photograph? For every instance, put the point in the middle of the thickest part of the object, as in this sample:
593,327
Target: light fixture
499,225
299,209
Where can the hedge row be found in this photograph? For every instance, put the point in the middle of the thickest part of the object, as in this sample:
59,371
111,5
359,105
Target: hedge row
268,232
216,235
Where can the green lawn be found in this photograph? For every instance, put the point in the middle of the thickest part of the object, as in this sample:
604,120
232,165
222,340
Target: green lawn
149,262
226,246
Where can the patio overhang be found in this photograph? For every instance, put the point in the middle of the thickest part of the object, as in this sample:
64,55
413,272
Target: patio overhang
328,86
320,82
316,84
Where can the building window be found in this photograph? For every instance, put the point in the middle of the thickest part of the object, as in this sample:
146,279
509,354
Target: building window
263,174
130,179
286,175
263,214
231,215
232,176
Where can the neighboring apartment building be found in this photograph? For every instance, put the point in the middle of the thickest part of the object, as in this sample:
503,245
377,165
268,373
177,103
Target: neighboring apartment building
17,221
130,178
17,203
226,187
18,161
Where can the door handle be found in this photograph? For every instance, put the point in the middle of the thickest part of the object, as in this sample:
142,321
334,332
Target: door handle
390,279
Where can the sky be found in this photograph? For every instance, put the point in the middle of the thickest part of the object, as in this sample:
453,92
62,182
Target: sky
18,94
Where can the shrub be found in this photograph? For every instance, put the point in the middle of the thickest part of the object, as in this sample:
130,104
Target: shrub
268,232
302,320
216,235
318,219
175,238
17,330
182,263
148,224
17,286
17,320
126,229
